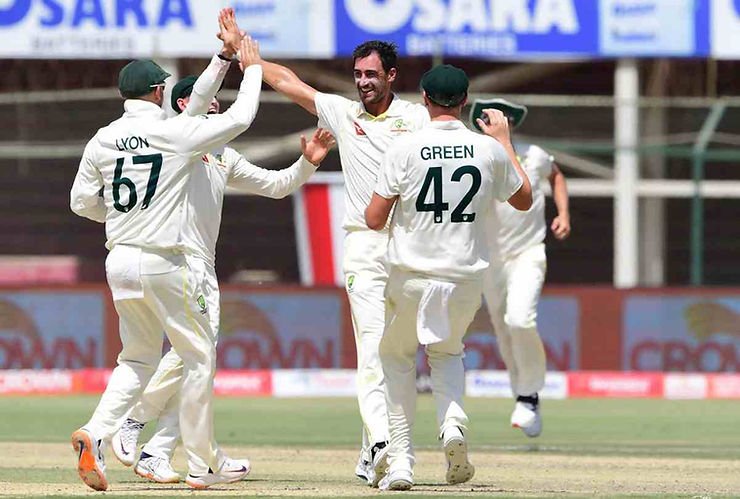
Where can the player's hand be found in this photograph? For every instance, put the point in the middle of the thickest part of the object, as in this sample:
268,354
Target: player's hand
318,147
495,125
561,227
229,33
249,53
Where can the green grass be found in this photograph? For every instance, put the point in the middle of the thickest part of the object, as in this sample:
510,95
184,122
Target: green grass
693,429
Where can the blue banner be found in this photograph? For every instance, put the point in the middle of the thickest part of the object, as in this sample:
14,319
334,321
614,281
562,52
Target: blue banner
537,29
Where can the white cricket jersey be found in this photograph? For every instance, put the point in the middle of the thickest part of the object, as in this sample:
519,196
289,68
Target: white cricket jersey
224,168
143,161
512,231
446,179
362,140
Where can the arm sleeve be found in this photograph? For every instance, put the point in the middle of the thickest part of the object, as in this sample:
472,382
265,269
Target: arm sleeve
197,135
390,172
506,180
542,159
206,86
276,184
330,110
85,199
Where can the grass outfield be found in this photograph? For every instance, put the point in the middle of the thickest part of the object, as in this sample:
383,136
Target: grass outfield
308,447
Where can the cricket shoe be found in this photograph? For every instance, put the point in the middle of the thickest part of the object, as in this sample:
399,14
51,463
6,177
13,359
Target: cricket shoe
90,460
231,471
397,480
526,415
125,443
459,469
364,470
156,469
379,453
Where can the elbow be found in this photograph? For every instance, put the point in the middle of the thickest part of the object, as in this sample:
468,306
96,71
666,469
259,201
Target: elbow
373,220
522,204
522,200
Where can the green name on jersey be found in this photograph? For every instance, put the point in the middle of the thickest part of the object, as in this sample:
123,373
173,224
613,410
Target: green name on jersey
447,152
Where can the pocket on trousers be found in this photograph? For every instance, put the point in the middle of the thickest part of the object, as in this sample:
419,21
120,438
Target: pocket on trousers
123,271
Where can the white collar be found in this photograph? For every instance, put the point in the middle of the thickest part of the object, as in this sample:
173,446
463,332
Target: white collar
138,107
447,125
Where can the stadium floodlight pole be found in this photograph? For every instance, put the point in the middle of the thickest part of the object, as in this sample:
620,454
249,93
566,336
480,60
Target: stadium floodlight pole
697,204
626,173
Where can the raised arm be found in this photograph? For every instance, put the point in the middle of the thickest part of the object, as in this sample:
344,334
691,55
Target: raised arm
497,127
561,223
85,198
285,81
208,83
248,178
196,135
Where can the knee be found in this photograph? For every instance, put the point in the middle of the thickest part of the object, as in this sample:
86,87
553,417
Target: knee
520,320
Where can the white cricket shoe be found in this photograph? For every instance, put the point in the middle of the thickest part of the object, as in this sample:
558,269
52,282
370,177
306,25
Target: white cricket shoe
90,459
379,453
125,443
156,469
231,471
364,470
397,480
459,469
526,415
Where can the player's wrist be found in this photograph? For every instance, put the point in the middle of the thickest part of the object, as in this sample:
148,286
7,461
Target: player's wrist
226,55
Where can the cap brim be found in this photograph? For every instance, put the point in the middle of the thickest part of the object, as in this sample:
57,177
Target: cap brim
515,112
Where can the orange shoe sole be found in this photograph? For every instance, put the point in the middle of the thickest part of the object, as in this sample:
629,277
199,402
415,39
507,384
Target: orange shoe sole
87,467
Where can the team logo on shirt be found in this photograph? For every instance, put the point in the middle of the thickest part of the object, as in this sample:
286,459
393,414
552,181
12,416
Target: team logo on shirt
399,126
350,283
358,130
202,304
219,159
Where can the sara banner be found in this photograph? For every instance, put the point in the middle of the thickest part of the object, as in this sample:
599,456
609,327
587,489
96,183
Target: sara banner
110,29
538,29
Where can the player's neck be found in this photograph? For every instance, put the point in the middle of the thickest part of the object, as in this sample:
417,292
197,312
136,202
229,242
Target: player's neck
378,108
443,115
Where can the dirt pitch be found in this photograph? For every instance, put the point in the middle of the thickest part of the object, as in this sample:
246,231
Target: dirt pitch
327,473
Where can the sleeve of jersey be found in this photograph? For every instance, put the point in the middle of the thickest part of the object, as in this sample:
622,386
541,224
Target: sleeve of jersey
276,184
506,180
330,109
206,86
86,198
389,174
196,135
542,159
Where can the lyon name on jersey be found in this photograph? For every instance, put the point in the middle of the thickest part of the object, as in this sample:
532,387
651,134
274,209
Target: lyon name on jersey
446,179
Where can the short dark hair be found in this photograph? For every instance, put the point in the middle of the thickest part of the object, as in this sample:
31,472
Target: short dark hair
387,51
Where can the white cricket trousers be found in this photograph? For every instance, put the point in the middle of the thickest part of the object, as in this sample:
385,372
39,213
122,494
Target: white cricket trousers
161,398
169,302
512,289
398,355
365,278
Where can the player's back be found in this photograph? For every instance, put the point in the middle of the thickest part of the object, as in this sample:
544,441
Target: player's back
448,178
144,176
512,231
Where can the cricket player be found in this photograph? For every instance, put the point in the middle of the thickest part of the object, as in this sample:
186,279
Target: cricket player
220,169
444,179
364,130
142,162
513,282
